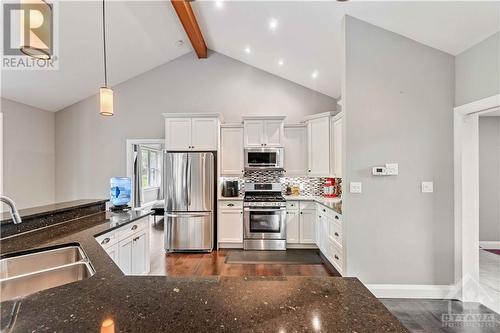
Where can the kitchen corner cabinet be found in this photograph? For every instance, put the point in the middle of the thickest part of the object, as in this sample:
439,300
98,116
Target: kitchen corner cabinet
295,144
191,133
128,246
263,132
232,161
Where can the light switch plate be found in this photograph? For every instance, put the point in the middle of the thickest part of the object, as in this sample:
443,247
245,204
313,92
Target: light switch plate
356,187
427,187
392,169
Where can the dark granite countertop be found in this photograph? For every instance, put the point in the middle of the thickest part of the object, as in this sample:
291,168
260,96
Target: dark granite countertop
112,302
52,208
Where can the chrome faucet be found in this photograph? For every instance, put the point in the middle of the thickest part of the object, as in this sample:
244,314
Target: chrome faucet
13,210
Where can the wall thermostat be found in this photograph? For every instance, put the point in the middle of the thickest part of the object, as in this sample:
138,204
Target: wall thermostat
379,171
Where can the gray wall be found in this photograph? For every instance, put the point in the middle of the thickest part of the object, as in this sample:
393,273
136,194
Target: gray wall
29,154
478,71
398,99
91,149
489,178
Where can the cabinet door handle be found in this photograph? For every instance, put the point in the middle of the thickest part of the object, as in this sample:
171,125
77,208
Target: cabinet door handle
106,240
230,205
300,213
241,212
136,238
324,210
336,257
336,217
309,170
336,234
134,227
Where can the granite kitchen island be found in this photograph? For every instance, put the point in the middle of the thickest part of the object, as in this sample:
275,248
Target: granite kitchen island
109,301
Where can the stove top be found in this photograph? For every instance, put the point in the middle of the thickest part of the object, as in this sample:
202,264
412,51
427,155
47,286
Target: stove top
264,198
263,194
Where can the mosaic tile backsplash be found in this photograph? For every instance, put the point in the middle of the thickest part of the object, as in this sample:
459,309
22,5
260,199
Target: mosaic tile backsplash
310,186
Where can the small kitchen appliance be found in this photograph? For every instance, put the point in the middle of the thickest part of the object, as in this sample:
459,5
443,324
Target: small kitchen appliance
264,215
230,188
330,188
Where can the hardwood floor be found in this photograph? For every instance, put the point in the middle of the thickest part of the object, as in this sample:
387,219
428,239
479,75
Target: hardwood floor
214,264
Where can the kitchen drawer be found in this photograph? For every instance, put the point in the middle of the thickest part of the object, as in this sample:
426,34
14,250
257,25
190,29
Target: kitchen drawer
231,204
307,205
292,205
335,255
132,228
108,239
335,231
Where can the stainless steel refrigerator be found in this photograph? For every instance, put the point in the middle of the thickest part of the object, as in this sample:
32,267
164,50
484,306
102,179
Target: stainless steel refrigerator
189,201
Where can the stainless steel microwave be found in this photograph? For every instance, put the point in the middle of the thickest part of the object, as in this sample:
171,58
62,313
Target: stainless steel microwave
264,158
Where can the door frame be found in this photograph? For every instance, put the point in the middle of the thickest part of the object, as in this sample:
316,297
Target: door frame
466,195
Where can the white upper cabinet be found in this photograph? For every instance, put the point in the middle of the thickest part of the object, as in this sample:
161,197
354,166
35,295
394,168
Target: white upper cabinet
178,133
196,132
318,134
337,135
232,150
295,143
263,131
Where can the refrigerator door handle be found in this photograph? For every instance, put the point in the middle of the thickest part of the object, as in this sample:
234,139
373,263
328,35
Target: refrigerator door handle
189,181
187,215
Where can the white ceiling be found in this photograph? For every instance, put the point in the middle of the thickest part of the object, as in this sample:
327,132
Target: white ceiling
142,35
308,34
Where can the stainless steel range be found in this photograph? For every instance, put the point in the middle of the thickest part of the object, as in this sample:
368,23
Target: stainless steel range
264,215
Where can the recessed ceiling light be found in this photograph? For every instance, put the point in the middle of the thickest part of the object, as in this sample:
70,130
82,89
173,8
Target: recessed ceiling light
281,62
219,4
273,24
247,50
314,74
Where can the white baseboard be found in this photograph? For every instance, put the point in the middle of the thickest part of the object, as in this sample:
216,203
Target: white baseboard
301,246
411,291
230,245
491,245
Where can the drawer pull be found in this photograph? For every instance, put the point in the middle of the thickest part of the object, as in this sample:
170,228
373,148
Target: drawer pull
105,240
336,217
324,210
336,257
136,238
337,234
230,205
134,227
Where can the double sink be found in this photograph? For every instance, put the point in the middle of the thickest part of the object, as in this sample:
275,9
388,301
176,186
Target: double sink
27,272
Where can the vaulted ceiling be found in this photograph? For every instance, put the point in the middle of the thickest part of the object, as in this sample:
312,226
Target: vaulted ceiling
306,39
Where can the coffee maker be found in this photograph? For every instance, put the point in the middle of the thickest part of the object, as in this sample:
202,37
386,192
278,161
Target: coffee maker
230,188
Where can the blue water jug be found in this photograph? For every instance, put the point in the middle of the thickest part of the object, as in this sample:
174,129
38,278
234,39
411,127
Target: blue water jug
120,190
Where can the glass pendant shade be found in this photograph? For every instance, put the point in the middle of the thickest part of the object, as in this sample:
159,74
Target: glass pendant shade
106,101
35,45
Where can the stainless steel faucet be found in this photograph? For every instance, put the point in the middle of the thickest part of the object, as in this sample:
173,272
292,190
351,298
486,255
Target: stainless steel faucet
13,210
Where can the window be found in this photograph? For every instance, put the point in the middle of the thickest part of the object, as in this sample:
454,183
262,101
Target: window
150,168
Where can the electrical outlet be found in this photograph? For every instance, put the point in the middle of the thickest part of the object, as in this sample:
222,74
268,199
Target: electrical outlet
356,187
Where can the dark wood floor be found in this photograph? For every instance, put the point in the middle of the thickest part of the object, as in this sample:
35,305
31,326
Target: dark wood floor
210,264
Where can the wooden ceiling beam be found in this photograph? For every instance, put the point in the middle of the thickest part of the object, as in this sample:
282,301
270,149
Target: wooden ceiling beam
188,20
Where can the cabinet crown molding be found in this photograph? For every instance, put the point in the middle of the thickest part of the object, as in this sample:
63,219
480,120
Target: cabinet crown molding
263,118
193,115
320,115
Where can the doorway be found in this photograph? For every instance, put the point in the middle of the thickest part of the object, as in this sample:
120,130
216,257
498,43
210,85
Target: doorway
467,207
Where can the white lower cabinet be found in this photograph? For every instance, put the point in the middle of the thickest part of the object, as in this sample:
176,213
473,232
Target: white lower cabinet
129,247
307,226
292,226
230,226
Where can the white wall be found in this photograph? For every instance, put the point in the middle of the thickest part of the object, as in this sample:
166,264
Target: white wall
29,154
398,99
489,178
478,71
91,149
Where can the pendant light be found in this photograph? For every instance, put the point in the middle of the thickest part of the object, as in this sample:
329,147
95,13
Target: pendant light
36,44
105,93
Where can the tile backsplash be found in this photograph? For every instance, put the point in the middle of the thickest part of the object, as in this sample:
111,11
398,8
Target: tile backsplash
309,186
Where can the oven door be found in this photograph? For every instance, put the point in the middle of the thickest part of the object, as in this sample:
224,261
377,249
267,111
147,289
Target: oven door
265,223
263,158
